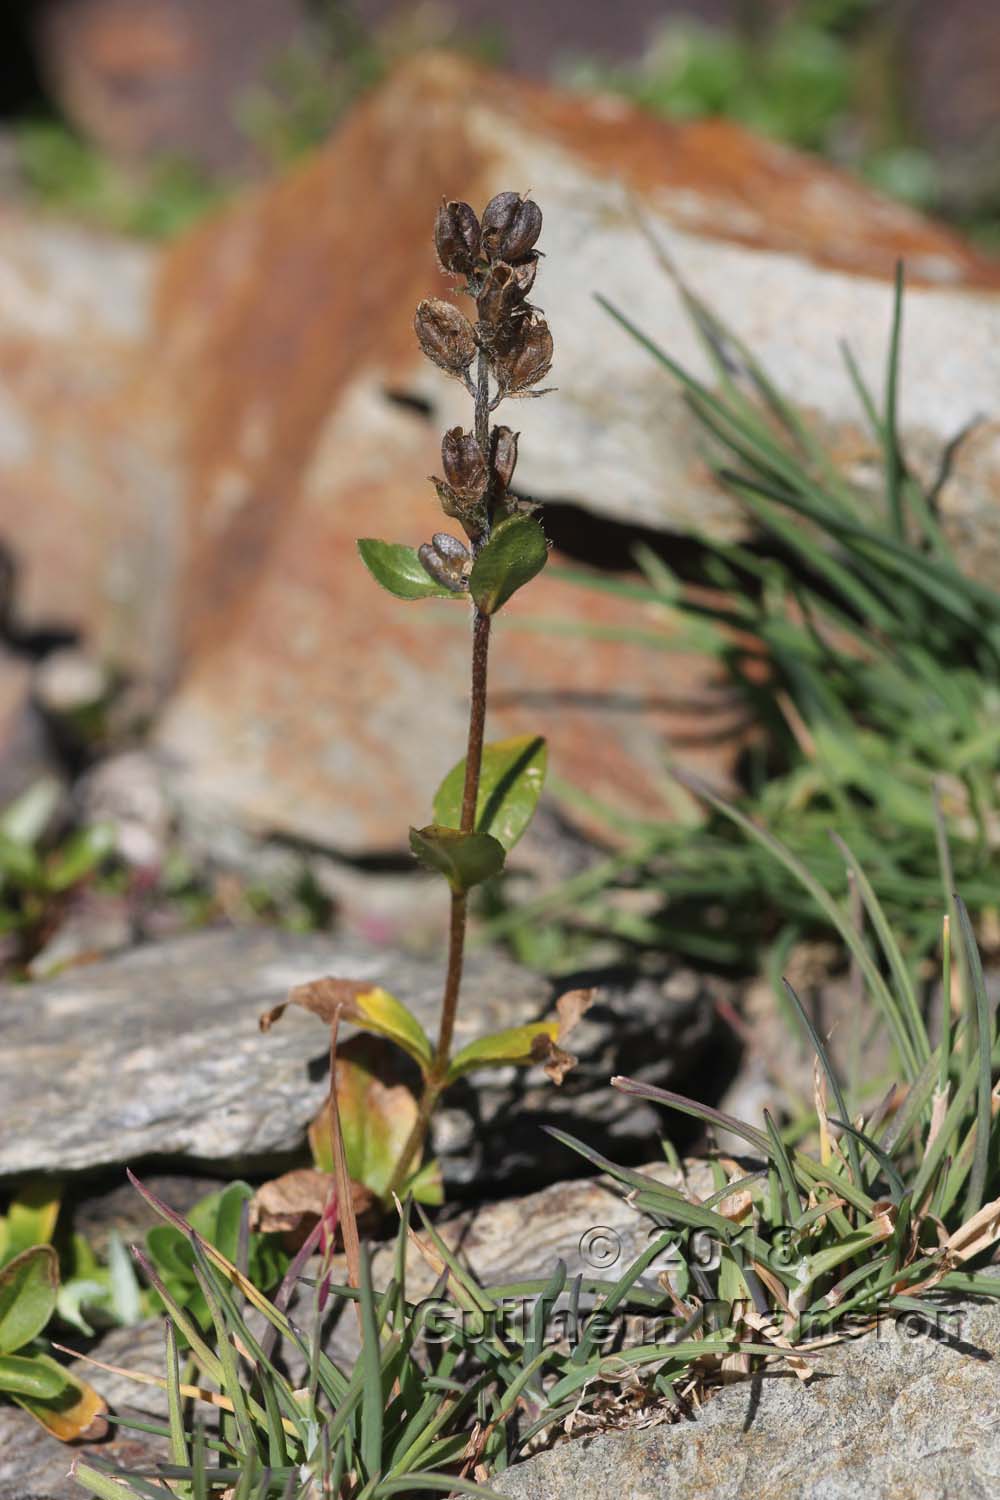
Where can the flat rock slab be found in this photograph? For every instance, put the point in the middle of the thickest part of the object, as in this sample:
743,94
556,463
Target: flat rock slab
894,1416
157,1053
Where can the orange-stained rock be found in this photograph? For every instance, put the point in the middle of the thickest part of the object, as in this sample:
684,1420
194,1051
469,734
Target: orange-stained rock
269,312
334,709
314,703
192,489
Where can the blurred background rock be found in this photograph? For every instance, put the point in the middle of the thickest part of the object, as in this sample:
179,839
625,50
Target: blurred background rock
139,111
190,401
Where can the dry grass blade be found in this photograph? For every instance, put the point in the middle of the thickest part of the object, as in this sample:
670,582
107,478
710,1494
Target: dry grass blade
189,1392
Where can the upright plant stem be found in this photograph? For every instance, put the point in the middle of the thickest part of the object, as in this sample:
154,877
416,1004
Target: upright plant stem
470,794
434,1081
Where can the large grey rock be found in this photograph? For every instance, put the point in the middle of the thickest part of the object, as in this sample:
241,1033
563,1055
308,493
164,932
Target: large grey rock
895,1416
157,1052
294,414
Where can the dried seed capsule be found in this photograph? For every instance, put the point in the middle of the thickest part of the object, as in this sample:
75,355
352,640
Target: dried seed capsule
504,291
471,513
456,237
526,359
450,547
504,455
499,296
511,225
464,465
443,566
524,273
445,336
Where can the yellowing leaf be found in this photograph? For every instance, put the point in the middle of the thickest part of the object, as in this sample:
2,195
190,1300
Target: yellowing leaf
77,1412
384,1014
368,1007
31,1216
523,1046
519,1045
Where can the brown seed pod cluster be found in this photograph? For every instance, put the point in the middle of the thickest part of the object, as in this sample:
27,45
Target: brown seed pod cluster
507,351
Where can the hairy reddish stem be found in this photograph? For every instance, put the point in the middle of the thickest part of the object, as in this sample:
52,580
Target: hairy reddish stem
434,1080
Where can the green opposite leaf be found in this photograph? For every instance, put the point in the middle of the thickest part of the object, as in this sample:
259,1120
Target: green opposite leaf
29,1286
464,859
26,1375
387,1016
503,1047
510,784
515,552
426,1186
399,569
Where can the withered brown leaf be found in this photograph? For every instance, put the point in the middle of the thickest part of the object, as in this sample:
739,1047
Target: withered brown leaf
292,1203
326,998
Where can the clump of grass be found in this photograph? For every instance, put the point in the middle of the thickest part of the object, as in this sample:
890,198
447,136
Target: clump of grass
41,868
894,1205
793,1249
446,1392
866,658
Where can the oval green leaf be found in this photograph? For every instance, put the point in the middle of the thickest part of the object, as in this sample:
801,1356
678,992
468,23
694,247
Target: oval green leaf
426,1186
464,859
502,1048
515,552
29,1286
27,1375
399,569
510,783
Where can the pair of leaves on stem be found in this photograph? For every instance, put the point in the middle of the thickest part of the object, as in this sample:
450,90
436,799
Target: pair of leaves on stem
515,552
510,783
374,1010
377,1107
